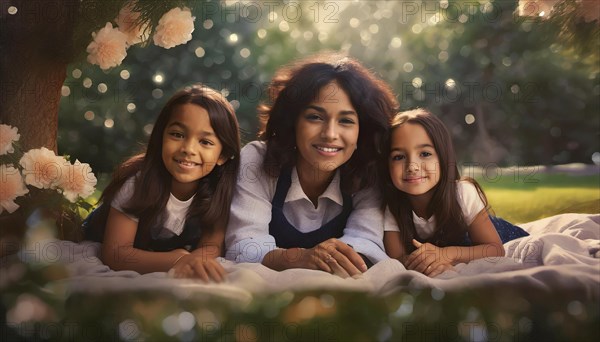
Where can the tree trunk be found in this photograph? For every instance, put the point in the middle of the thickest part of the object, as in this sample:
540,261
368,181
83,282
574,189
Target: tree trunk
36,44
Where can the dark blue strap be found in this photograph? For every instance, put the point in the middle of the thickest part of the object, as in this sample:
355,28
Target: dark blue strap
95,224
286,235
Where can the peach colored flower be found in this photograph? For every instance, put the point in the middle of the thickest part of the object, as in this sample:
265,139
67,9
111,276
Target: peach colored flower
127,22
77,180
174,28
42,168
533,8
11,187
108,48
8,135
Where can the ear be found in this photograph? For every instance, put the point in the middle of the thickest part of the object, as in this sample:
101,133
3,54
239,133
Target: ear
222,160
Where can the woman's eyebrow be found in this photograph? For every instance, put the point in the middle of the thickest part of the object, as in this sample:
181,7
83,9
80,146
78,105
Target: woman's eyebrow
323,111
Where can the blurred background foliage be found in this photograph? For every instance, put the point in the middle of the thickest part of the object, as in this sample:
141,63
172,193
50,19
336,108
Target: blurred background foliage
512,89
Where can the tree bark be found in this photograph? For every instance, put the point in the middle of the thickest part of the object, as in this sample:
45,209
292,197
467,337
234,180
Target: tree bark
36,44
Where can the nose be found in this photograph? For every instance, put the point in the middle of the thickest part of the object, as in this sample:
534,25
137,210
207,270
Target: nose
188,147
412,166
329,131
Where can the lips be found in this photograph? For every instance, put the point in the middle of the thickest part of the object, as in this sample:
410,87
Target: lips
186,163
327,149
414,179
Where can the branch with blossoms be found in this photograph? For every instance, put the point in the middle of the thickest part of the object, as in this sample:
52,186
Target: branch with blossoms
132,26
39,180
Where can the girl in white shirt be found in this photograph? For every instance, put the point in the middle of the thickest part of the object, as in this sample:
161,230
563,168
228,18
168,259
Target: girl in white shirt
167,208
305,196
435,219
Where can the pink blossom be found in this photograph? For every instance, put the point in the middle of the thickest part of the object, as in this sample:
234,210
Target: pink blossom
108,49
127,21
8,135
77,180
42,168
174,28
11,187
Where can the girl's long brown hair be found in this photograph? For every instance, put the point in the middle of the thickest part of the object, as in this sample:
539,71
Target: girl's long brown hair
296,85
450,224
153,184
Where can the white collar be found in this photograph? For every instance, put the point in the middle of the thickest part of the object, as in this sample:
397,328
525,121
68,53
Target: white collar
333,191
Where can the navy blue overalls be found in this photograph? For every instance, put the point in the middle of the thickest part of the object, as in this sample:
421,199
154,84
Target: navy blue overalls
286,235
95,224
506,230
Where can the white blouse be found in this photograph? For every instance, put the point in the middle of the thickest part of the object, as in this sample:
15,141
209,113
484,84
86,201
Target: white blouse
174,216
248,239
468,199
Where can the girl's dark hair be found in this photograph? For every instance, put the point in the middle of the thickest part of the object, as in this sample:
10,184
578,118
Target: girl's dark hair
296,85
153,184
450,224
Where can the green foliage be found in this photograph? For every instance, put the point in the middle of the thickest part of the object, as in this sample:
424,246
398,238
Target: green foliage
531,84
214,57
528,87
500,314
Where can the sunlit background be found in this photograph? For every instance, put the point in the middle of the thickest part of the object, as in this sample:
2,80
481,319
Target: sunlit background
517,83
513,89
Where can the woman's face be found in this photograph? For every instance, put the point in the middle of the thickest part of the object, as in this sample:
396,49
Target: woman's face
326,131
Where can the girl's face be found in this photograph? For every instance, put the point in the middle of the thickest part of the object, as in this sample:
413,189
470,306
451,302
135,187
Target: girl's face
191,149
414,163
326,131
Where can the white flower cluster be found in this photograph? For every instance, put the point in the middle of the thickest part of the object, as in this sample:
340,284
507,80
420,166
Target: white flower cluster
43,169
109,45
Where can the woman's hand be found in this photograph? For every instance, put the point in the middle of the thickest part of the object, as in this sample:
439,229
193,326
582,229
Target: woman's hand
196,266
428,259
335,257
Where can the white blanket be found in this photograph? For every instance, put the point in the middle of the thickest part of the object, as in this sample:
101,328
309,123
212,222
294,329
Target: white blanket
561,254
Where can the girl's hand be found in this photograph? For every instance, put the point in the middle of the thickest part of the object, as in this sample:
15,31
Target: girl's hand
428,259
195,266
335,257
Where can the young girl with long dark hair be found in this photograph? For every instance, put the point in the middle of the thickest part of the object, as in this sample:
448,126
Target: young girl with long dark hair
436,219
167,208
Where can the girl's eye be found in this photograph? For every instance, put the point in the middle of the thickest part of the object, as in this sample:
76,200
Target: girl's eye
313,117
397,157
426,154
206,142
176,135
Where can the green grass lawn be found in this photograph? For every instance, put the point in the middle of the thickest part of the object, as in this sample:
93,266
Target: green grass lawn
522,200
518,199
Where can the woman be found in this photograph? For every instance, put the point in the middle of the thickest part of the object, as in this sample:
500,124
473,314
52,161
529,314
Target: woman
305,197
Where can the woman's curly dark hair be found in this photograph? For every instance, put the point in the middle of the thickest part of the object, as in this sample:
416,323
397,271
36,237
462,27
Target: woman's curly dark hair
296,85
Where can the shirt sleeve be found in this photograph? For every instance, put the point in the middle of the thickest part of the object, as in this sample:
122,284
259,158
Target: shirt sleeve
123,196
247,238
364,229
389,222
469,200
